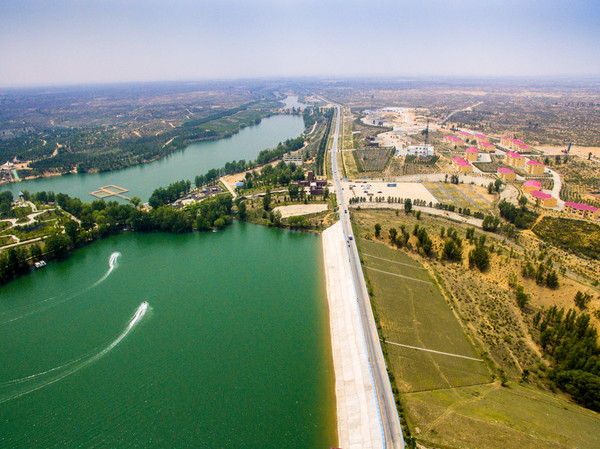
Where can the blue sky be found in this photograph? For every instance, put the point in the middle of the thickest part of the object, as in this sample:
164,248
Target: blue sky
87,41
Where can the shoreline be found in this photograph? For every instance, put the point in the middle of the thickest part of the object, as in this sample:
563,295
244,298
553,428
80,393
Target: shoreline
357,412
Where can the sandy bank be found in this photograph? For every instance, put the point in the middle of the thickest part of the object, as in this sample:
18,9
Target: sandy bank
357,413
300,209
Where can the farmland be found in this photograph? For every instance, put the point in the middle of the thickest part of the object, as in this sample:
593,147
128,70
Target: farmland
465,196
451,308
372,159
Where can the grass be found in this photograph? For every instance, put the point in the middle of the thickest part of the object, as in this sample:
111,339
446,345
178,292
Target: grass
490,416
462,195
451,402
372,159
414,312
578,236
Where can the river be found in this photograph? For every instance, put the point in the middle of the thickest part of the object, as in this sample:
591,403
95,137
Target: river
198,158
232,352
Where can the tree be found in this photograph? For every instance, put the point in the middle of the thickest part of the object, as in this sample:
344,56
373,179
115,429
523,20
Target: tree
582,299
241,210
497,185
72,230
325,194
57,244
451,251
523,201
490,188
521,296
552,279
393,232
136,201
479,257
267,200
407,205
293,191
490,223
377,230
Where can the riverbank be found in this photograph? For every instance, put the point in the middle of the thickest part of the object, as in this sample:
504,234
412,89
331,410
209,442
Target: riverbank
358,422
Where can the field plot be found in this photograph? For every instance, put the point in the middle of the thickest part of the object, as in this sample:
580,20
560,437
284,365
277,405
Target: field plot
489,417
462,195
413,312
372,159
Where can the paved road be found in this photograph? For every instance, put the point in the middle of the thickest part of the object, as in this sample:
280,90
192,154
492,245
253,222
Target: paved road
387,407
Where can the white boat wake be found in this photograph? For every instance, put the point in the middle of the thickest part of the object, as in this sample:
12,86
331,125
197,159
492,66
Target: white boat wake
29,384
112,264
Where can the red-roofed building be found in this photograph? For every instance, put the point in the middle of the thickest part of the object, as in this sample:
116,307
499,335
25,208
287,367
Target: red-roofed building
461,165
454,140
529,186
486,146
505,141
515,159
471,154
543,199
535,168
506,174
582,210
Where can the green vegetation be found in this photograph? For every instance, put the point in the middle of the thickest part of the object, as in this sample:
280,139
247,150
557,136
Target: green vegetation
520,217
372,159
577,236
572,342
320,157
411,319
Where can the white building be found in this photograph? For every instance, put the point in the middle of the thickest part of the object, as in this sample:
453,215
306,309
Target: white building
420,150
295,158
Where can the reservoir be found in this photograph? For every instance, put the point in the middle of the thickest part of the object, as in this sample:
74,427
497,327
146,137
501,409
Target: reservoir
232,350
196,159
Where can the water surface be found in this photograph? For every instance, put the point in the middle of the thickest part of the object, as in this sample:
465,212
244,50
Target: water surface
233,351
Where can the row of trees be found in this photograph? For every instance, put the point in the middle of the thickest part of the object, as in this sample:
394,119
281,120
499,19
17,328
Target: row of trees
320,158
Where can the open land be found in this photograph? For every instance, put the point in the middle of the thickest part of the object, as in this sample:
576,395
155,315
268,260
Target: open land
427,305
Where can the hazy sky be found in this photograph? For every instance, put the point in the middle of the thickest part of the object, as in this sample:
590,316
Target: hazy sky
84,41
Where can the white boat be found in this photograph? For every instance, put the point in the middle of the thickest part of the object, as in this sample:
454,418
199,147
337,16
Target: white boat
40,264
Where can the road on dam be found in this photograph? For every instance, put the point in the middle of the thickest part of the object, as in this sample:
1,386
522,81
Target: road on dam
385,398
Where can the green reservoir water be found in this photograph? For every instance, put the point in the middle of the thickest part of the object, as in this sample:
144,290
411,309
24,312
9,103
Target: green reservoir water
196,159
233,351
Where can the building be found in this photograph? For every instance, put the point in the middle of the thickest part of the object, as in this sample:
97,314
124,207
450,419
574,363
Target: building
461,165
482,138
543,199
506,174
535,168
530,186
419,150
515,159
465,135
454,140
505,141
471,154
293,158
582,210
486,146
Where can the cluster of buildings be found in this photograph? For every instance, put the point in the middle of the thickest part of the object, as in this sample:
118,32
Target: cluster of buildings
534,168
514,144
315,186
483,142
534,190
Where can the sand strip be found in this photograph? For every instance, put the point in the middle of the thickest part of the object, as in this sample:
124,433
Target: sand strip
357,414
